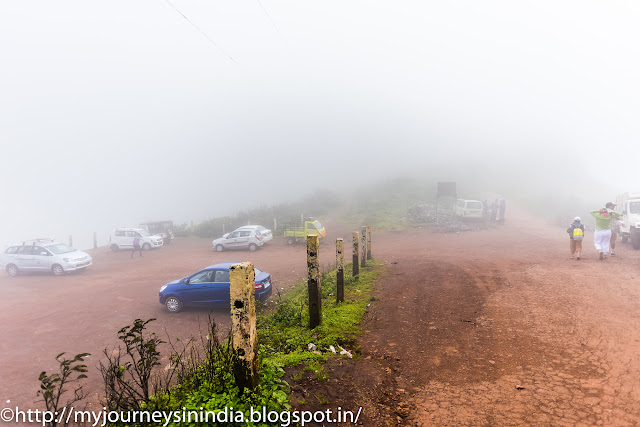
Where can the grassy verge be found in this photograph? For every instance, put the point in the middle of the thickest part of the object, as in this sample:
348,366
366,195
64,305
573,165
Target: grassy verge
285,336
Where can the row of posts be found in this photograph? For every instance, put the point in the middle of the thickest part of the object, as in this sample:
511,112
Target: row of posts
360,258
243,307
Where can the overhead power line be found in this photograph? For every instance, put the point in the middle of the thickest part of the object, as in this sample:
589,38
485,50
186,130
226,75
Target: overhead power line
268,16
200,31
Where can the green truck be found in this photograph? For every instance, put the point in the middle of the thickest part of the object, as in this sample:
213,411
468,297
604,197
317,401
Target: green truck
311,226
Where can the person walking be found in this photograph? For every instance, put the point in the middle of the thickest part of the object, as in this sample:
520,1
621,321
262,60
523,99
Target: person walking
602,235
502,208
576,234
615,228
136,245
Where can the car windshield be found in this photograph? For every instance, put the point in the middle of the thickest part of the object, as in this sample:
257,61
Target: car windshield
318,225
144,233
60,248
257,271
634,207
474,205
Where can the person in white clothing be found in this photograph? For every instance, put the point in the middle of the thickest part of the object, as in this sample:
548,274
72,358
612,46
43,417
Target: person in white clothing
602,235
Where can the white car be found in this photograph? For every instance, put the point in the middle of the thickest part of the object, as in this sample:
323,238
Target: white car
239,239
469,209
267,236
122,238
43,255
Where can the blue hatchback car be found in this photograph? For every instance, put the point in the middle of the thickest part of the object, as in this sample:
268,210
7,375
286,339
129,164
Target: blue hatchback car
209,288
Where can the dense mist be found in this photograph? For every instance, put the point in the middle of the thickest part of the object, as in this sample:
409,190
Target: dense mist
116,113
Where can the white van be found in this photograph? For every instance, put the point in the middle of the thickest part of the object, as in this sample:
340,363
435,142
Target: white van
469,209
43,255
122,238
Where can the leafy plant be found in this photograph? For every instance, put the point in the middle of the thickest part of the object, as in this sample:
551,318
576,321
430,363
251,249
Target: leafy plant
52,387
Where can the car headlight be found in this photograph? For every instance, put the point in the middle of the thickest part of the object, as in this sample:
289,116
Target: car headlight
163,288
66,259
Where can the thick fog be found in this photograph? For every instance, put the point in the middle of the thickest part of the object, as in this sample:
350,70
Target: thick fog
113,113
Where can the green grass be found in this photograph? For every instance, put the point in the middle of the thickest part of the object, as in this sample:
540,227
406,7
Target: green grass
285,334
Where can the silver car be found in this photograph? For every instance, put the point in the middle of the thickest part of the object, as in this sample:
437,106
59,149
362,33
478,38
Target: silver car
267,236
239,239
43,255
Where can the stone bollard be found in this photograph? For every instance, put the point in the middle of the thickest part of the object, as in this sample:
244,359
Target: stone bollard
368,242
356,260
243,329
363,262
339,270
95,240
70,241
313,281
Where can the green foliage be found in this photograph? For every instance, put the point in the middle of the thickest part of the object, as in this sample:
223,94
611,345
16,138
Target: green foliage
285,333
128,372
385,205
52,387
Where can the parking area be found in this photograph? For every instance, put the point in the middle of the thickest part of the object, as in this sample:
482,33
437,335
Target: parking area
44,315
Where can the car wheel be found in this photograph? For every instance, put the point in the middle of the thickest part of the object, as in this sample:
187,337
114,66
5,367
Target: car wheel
253,247
12,270
115,247
146,246
173,304
57,270
291,241
219,248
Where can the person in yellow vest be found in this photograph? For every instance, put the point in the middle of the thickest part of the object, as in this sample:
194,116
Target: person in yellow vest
576,234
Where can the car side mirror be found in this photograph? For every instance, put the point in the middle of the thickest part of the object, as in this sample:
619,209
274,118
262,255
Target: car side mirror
43,253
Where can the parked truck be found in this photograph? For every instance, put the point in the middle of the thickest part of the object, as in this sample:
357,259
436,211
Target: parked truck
628,204
310,226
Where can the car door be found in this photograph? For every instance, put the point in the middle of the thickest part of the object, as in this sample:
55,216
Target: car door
41,258
127,242
197,290
24,258
231,240
220,292
120,238
243,239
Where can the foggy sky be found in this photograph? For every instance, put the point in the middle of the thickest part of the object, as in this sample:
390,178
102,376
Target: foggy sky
112,113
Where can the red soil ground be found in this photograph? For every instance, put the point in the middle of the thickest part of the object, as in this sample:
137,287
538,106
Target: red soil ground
494,327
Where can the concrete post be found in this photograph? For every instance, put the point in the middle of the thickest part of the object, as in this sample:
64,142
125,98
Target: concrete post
223,228
363,262
275,225
368,242
356,260
95,240
313,281
70,241
243,328
339,270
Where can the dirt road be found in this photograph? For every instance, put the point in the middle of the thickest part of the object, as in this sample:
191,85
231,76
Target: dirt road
495,327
